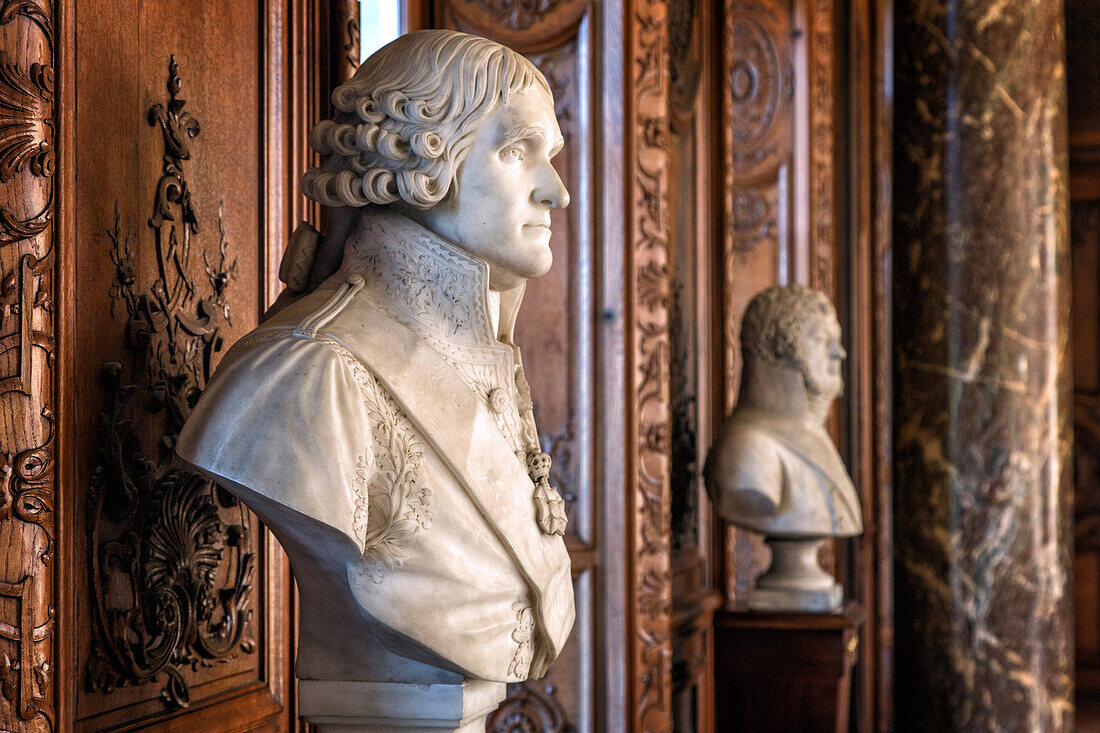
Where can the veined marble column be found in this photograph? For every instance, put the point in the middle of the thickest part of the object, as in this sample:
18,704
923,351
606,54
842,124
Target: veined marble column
981,311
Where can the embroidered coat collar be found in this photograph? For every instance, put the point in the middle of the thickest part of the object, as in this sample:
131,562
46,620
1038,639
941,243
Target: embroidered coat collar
434,286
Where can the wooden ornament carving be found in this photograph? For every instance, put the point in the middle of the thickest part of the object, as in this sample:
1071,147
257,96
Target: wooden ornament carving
26,100
27,348
758,86
528,26
518,15
648,154
559,66
344,30
757,96
178,546
527,710
683,57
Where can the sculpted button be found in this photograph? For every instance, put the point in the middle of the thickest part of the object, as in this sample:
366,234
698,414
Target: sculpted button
498,400
355,278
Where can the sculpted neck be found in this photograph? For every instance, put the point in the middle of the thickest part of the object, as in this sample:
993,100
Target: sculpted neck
775,387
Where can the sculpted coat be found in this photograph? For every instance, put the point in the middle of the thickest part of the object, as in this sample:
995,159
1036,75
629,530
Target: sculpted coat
383,408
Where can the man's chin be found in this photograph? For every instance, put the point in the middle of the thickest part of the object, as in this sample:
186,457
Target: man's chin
539,265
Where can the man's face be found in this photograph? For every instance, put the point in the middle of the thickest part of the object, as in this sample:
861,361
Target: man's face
506,188
822,355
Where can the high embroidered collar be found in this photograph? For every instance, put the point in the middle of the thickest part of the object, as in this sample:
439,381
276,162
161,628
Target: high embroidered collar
441,288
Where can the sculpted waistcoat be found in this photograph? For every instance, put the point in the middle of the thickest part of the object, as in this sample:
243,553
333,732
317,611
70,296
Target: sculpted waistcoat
796,467
384,406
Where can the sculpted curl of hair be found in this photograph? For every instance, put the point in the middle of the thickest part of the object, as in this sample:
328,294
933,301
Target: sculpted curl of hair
772,325
407,118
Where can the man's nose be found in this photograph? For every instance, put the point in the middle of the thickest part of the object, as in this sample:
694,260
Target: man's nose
550,191
838,351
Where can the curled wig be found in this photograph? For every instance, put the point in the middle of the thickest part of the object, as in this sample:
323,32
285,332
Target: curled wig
407,119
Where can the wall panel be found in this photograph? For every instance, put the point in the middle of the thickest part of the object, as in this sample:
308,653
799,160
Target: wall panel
180,612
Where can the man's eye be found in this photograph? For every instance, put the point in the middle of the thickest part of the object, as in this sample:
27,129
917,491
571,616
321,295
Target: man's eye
512,153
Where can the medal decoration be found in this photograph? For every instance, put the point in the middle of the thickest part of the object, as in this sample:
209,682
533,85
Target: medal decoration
549,506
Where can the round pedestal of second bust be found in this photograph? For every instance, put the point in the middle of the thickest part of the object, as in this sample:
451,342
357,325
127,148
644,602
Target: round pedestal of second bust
795,581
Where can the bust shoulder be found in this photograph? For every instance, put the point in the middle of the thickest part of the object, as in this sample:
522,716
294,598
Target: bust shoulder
248,429
745,470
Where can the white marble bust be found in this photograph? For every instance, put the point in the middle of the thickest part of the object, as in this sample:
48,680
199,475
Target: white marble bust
379,420
773,468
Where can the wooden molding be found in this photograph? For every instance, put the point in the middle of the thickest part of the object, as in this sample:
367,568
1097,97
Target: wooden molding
649,502
28,240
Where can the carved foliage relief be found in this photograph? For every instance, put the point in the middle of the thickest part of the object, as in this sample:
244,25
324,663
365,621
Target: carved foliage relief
648,191
27,349
170,554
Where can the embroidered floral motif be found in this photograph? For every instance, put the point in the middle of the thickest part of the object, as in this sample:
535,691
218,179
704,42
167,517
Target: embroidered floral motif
392,502
524,635
423,278
362,496
434,289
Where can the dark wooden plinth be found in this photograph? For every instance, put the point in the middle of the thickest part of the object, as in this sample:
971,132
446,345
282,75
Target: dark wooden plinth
785,672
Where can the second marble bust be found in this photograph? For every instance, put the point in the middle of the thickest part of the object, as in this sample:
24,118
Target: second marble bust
381,423
773,468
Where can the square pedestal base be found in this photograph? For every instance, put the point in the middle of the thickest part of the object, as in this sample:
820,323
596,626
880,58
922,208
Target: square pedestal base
336,706
783,672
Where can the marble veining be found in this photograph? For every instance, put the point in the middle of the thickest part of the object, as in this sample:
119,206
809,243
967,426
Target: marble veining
982,442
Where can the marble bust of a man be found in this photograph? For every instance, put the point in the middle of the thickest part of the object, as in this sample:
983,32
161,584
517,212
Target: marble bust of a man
379,420
773,468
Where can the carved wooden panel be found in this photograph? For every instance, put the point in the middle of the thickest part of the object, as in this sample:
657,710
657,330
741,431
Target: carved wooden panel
649,416
177,598
184,548
556,331
779,87
29,237
806,199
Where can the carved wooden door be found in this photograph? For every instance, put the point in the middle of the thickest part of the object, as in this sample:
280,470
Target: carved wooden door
145,163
